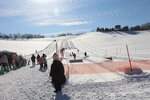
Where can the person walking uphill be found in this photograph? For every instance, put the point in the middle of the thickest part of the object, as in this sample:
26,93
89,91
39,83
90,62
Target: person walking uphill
33,60
57,73
74,55
38,59
44,61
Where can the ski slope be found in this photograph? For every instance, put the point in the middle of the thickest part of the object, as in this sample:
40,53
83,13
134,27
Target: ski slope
28,83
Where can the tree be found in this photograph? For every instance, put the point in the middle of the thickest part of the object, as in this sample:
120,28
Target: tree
98,29
145,26
135,28
125,28
112,29
117,27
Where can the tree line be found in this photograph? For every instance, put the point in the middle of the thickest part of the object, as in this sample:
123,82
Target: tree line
65,34
142,27
68,34
19,36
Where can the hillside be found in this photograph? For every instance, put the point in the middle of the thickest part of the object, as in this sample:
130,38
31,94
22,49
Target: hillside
28,83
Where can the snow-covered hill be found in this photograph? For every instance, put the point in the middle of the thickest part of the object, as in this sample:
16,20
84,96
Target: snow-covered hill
28,83
114,44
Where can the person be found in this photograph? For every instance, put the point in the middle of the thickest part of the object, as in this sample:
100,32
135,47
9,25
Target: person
13,60
0,59
57,73
62,53
44,61
4,62
85,54
41,63
9,61
70,54
38,58
74,55
28,62
17,61
33,59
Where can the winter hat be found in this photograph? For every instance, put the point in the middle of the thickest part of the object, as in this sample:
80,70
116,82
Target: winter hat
55,56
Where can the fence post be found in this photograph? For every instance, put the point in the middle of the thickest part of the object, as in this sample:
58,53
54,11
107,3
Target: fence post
57,49
129,57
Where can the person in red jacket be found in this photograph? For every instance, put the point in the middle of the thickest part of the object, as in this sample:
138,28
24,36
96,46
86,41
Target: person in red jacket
38,58
40,62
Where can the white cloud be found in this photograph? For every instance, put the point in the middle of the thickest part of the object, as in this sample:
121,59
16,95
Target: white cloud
43,12
42,23
62,24
42,1
73,23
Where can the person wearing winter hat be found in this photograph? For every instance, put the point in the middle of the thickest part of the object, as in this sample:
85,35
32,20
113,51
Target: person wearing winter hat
57,73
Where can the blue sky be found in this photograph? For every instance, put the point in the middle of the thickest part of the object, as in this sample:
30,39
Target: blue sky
57,16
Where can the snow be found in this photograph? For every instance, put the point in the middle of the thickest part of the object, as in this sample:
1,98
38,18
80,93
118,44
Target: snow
101,44
23,47
28,83
86,78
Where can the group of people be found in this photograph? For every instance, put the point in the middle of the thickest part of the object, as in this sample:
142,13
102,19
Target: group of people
40,60
74,54
10,61
56,72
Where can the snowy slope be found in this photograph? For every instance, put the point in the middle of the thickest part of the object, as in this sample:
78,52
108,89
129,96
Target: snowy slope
28,83
114,44
23,47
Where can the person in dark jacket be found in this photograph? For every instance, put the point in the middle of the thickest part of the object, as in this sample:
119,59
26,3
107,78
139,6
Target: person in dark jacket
85,54
33,60
44,61
74,55
57,73
9,61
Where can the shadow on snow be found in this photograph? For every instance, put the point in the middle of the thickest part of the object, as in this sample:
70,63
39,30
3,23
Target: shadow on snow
60,96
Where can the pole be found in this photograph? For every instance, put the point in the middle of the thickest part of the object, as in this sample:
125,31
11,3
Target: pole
129,57
56,47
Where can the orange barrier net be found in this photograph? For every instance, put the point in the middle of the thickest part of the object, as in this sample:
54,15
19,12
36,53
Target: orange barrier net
106,67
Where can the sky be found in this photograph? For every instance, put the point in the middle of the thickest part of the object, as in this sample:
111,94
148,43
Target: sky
58,16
